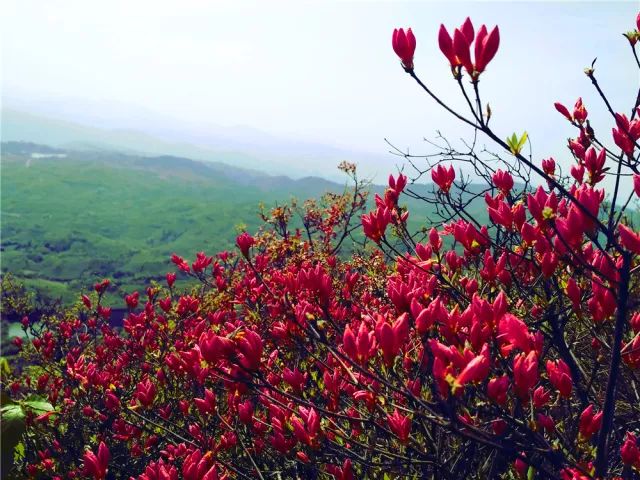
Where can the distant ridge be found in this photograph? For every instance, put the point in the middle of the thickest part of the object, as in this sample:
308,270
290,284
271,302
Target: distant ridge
240,146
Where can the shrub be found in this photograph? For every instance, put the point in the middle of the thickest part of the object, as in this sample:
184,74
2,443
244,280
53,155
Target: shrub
504,350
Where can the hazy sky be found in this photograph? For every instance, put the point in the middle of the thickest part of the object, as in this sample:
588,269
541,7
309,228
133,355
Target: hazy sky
317,70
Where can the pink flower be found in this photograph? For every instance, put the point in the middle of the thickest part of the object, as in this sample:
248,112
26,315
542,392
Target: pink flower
250,350
630,452
486,47
476,370
405,46
503,181
560,377
590,423
458,49
579,111
245,241
400,425
497,389
525,373
375,223
563,110
206,405
443,177
96,466
629,239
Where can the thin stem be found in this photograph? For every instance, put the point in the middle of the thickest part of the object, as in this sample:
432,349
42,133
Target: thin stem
614,367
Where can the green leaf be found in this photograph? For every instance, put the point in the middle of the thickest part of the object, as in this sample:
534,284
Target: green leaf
5,369
39,405
531,473
13,427
11,413
523,140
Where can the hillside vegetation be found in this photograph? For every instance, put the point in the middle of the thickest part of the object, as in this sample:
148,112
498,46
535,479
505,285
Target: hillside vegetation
72,217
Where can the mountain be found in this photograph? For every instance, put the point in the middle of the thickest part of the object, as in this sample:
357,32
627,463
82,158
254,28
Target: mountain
71,216
149,134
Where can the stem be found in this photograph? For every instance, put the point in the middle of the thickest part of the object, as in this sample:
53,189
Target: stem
440,102
635,54
552,181
614,367
466,97
613,114
612,211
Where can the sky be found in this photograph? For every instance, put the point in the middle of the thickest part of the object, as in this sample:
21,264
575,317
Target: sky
320,71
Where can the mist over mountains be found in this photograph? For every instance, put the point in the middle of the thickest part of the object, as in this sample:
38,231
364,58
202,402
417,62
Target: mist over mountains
136,130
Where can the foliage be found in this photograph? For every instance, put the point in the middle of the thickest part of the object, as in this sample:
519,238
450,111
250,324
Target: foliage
67,220
503,349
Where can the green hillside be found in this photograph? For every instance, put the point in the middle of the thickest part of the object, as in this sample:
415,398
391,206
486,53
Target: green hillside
70,217
67,221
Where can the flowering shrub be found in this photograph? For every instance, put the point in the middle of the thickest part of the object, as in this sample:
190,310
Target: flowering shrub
508,349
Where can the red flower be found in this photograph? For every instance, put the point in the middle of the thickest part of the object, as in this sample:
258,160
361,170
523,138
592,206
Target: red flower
87,301
541,397
563,110
375,223
245,241
400,425
461,47
96,466
458,49
525,373
467,29
250,350
199,467
446,46
214,347
626,134
546,422
630,452
503,181
146,392
590,423
629,239
549,166
206,405
295,378
476,370
515,333
560,377
594,164
497,389
392,337
443,177
132,300
579,111
101,286
306,429
405,46
180,263
342,473
486,47
111,401
574,293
